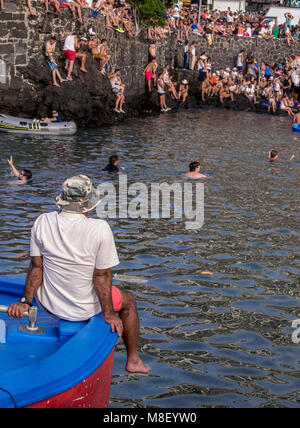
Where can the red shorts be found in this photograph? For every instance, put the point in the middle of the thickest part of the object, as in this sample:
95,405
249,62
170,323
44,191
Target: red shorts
70,55
116,298
148,75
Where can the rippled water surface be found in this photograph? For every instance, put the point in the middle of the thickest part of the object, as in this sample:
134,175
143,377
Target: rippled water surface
219,339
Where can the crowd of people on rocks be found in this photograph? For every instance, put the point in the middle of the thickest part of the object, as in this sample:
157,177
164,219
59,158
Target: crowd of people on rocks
184,21
274,85
118,17
75,47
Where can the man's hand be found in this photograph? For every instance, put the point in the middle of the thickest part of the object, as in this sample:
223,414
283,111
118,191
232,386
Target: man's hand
115,323
17,309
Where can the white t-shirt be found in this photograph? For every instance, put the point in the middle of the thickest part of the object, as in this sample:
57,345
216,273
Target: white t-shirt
239,62
176,12
72,246
69,44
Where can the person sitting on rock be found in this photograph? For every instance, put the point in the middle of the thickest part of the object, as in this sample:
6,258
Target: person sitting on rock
183,90
55,4
80,54
225,93
99,51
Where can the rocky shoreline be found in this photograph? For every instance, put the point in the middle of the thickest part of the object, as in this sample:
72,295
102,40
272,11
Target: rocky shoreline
26,89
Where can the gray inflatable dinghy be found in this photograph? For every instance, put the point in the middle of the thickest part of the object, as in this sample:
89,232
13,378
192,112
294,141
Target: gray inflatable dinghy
19,125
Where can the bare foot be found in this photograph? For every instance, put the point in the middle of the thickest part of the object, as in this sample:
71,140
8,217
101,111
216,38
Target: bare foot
56,84
84,70
137,367
63,80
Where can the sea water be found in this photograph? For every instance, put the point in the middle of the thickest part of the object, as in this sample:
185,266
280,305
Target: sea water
216,305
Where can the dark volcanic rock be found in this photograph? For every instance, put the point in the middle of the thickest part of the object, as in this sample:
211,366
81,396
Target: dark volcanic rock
26,85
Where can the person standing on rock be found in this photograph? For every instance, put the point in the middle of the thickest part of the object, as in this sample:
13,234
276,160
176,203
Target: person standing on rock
49,50
240,60
150,73
70,45
152,51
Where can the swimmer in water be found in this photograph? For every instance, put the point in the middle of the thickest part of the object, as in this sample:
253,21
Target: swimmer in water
113,165
273,156
24,176
194,171
296,118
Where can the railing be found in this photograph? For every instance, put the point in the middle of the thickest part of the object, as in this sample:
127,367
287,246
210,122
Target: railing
32,320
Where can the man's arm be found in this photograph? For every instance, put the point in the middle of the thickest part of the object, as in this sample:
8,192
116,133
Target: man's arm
33,281
14,169
103,283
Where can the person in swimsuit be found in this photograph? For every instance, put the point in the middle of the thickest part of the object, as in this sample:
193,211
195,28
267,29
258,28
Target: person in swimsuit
183,90
194,171
25,175
118,89
112,166
296,118
274,157
49,51
150,73
162,94
152,51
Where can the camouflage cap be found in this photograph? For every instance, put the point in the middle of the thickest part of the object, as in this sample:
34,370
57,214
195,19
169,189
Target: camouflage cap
77,196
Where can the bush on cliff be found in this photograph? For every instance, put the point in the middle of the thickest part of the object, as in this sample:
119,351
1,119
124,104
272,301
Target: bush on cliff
150,12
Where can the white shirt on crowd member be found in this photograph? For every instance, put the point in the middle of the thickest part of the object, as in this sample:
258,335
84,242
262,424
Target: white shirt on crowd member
72,246
69,44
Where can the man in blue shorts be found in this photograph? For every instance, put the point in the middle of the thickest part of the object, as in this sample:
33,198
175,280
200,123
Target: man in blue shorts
50,49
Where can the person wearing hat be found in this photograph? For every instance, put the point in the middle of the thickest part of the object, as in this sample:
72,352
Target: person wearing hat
70,269
183,90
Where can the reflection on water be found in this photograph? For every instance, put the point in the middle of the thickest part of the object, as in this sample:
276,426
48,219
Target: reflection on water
212,340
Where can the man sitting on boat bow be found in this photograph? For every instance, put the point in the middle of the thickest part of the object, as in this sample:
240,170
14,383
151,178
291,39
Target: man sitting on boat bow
70,269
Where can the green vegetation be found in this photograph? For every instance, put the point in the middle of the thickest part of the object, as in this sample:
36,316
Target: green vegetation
150,12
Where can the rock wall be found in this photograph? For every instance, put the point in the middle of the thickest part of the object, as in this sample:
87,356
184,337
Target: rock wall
25,79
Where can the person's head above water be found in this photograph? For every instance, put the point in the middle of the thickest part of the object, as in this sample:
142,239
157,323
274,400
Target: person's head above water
194,165
273,156
114,160
25,175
